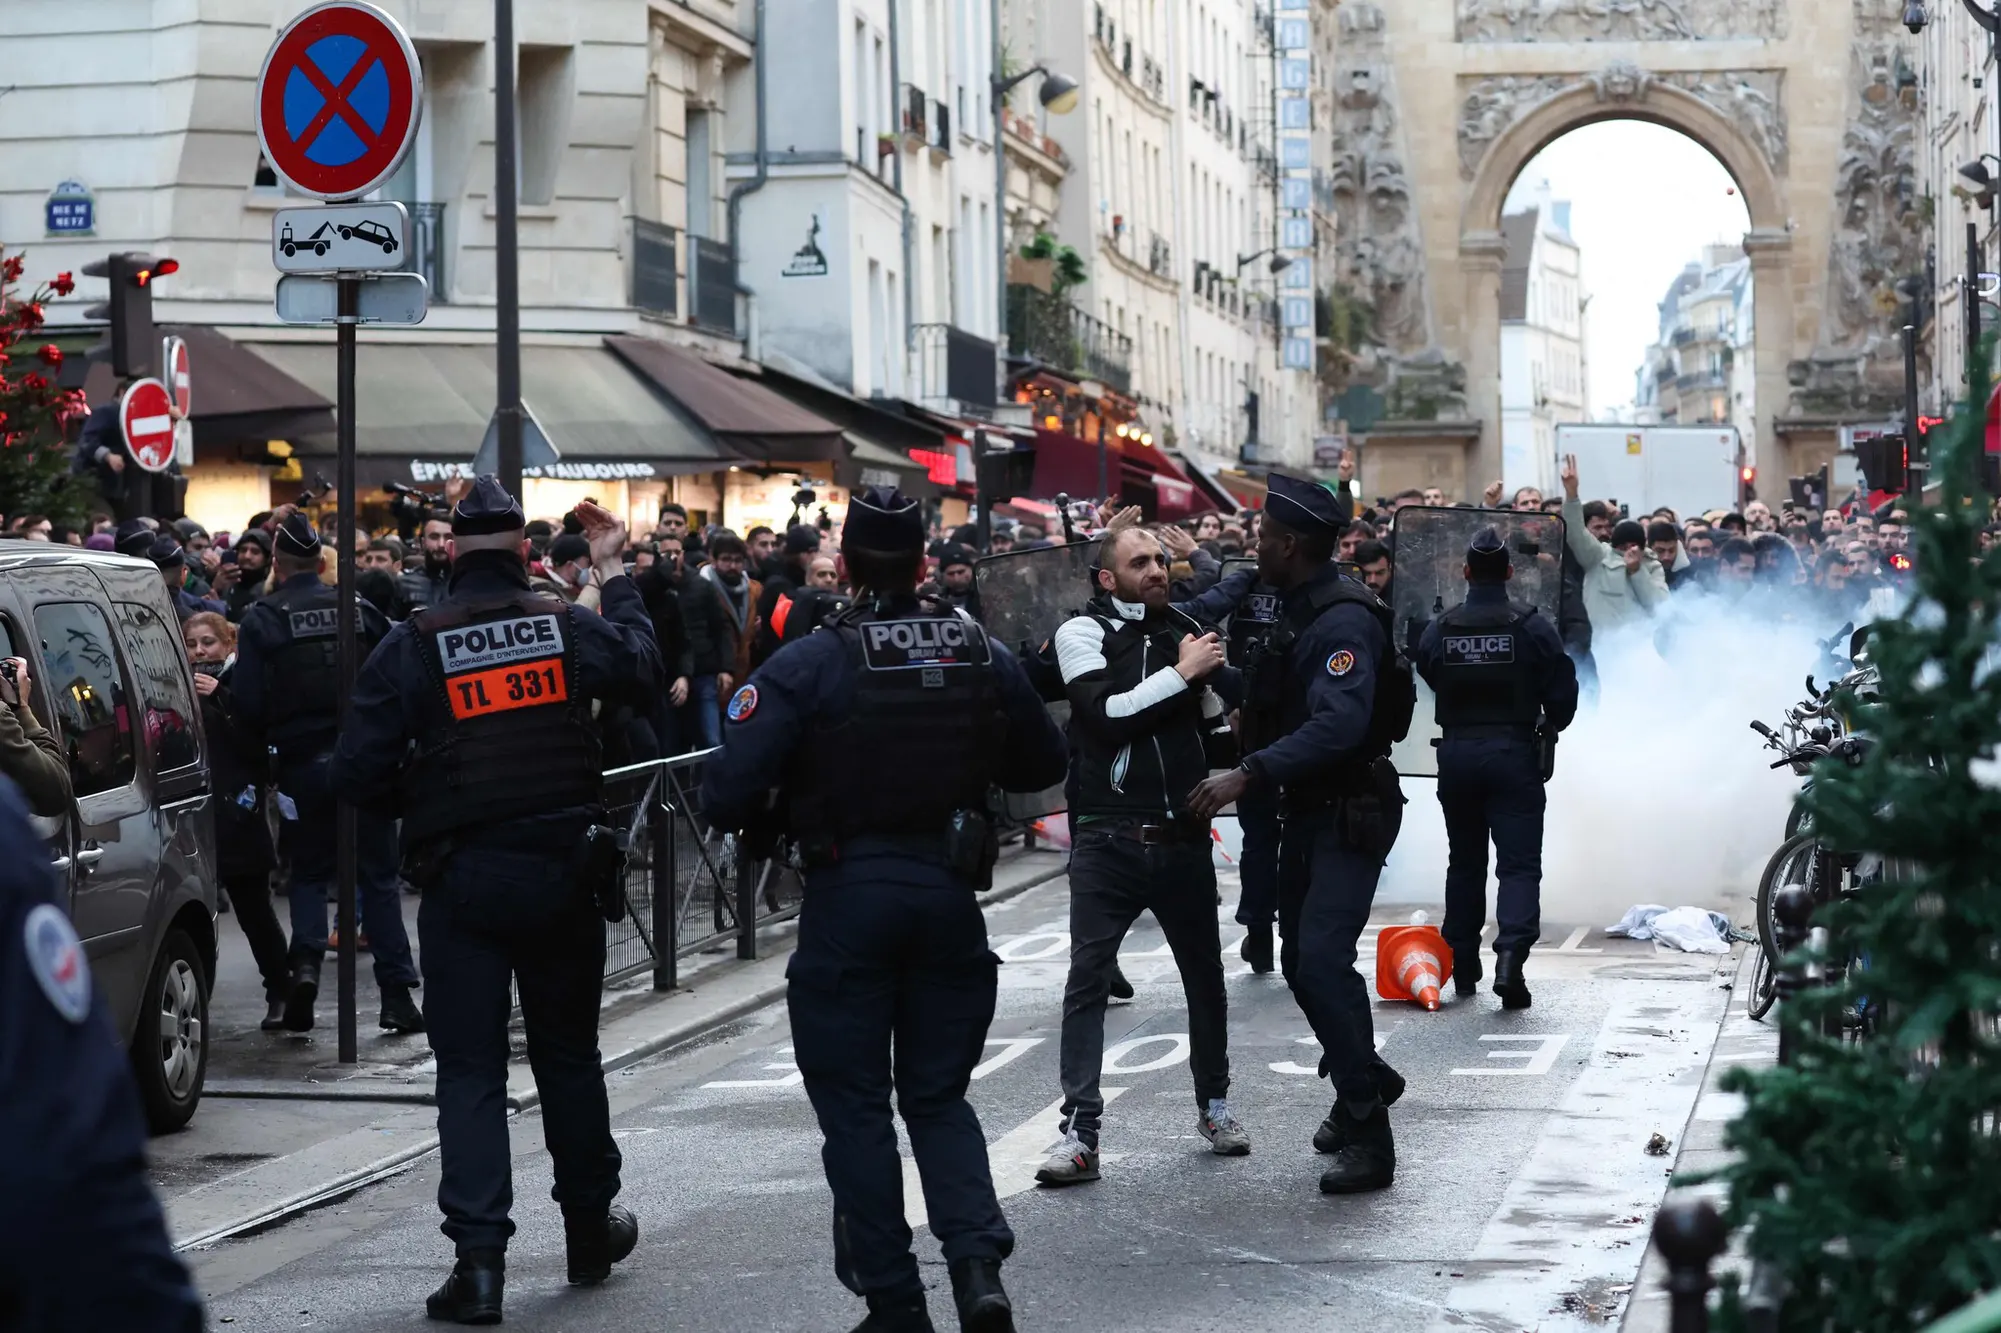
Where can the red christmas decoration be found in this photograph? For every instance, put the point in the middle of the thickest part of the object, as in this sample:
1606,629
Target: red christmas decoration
51,355
63,285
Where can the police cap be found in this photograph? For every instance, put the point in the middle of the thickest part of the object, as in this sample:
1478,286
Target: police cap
298,538
1306,507
1487,557
882,519
487,508
166,553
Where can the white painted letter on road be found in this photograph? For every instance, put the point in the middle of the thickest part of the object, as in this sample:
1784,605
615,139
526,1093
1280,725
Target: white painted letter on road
1177,1053
1537,1058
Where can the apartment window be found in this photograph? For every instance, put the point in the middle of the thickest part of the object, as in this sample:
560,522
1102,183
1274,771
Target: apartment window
988,319
878,335
541,116
701,190
864,140
941,278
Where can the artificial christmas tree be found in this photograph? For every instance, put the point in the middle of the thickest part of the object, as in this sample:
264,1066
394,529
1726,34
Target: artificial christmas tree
1869,1168
35,412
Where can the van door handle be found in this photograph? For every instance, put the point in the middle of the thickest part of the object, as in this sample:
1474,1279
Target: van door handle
91,854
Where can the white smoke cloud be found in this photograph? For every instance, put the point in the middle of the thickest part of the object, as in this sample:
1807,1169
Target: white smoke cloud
1662,791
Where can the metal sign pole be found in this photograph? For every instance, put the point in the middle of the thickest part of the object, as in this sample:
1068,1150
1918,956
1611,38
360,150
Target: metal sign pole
507,259
349,315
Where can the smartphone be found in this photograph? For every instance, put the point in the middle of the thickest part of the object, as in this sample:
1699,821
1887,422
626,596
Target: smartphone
229,557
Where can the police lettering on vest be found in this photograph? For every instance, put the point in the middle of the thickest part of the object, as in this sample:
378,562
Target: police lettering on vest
1478,649
317,623
1484,681
901,645
501,665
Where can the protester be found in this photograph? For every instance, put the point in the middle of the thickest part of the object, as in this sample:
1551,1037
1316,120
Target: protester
1622,582
741,596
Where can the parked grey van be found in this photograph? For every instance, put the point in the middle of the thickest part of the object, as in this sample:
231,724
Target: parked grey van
136,855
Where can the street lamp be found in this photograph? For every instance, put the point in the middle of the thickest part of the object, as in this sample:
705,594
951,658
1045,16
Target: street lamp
1279,263
1986,18
1976,174
1059,93
1915,17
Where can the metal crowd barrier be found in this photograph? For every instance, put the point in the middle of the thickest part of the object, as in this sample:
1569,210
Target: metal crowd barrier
688,890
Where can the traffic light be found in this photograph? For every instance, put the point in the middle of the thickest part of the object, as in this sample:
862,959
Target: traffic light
1746,478
1883,463
135,344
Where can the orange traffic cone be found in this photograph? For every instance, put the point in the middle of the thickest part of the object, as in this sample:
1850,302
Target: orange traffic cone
1412,962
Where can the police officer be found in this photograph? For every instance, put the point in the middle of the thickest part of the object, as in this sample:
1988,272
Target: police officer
1504,687
287,681
83,1244
474,718
1332,696
892,945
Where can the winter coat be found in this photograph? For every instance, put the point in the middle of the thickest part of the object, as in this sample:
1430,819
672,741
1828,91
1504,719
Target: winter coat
1612,598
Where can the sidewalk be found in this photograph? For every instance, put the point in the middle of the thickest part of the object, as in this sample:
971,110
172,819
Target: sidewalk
283,1128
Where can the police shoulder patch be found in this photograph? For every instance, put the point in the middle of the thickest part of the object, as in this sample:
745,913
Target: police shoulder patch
55,956
743,704
1340,663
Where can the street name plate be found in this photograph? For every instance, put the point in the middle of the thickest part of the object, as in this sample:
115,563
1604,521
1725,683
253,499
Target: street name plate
341,238
386,298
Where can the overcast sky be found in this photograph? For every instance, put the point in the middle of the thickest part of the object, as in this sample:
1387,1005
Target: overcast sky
1644,201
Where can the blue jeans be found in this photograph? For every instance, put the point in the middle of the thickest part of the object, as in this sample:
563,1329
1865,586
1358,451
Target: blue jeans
701,716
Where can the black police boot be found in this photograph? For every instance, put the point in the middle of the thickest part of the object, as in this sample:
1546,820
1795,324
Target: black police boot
1465,969
1368,1161
1508,983
1333,1134
399,1012
471,1295
1256,948
274,1014
983,1303
1116,979
897,1314
594,1244
299,1004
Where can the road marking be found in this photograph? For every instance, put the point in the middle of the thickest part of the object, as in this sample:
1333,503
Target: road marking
1549,1235
1535,1062
1012,1049
1576,938
1113,1061
1312,1070
1015,950
1012,1159
791,1080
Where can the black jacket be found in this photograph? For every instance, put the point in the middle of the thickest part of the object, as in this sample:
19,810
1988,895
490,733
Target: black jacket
1136,727
705,624
670,631
237,767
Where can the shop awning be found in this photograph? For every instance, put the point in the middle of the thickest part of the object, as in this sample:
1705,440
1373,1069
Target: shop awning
872,464
884,425
239,398
742,413
423,408
1209,484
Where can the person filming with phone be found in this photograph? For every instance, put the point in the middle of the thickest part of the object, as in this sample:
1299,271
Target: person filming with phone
28,753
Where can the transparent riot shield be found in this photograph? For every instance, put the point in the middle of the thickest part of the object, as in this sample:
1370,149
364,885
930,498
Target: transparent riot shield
1429,577
1025,595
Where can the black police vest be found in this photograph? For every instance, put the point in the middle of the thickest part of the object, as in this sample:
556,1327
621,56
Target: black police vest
1485,676
1254,620
302,671
920,739
1269,664
508,731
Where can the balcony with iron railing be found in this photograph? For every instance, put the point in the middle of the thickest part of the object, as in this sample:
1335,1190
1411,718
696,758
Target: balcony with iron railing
1046,328
1702,379
658,252
954,369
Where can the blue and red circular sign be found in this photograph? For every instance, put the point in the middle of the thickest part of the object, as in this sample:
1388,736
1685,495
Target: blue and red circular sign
339,99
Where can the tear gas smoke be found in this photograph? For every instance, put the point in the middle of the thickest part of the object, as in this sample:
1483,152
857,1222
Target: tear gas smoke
1662,792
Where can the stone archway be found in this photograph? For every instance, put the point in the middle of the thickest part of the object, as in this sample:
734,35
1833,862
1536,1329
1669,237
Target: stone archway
1625,92
1435,106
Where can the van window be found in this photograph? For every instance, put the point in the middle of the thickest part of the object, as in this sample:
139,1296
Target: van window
94,716
159,668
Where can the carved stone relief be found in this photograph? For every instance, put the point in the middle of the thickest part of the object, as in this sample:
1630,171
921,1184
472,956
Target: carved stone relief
1381,253
1619,20
1753,100
1877,238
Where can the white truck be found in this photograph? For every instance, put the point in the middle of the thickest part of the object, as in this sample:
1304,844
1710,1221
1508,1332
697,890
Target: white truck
1687,468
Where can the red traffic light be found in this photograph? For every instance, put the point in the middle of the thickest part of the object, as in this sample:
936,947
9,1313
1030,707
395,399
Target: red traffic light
159,268
1899,561
1749,474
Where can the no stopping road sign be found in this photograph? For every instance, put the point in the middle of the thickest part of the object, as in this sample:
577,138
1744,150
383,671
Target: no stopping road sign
338,100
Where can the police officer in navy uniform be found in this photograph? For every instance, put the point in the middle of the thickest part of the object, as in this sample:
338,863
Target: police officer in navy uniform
83,1243
1505,686
287,681
892,985
1324,705
473,718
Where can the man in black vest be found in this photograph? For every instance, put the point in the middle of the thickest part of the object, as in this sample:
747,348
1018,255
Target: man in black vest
473,721
892,985
1146,728
1321,710
287,682
1504,687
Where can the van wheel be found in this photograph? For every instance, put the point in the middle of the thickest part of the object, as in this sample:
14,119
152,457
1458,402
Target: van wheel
170,1049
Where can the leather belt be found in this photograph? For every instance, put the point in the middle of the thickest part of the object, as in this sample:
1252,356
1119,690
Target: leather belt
1155,835
1498,732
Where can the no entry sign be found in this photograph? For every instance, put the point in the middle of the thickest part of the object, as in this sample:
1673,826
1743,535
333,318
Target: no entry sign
146,417
338,100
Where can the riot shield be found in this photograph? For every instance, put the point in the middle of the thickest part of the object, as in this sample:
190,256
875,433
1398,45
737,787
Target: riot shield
1429,577
1025,595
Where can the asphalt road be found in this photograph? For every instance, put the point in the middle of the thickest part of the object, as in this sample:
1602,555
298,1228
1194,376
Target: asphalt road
1521,1202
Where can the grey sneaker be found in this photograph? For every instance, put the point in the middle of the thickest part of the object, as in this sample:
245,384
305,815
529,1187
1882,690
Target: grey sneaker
1072,1163
1226,1137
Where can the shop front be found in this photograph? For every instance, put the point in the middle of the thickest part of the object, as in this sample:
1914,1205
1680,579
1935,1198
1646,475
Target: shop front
423,409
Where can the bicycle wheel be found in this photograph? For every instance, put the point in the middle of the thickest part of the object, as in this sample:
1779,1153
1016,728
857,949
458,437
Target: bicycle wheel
1792,863
1764,986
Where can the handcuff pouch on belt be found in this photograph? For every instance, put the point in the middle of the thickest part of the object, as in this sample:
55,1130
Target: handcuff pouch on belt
598,865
